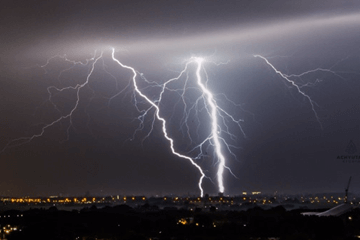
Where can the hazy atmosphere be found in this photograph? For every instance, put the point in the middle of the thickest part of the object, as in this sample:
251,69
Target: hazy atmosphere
297,134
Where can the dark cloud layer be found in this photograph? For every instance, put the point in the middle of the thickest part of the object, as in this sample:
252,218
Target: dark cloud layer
286,149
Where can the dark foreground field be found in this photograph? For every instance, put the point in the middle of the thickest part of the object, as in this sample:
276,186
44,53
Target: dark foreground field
149,222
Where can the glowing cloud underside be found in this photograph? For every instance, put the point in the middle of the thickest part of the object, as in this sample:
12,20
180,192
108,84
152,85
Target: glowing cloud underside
252,33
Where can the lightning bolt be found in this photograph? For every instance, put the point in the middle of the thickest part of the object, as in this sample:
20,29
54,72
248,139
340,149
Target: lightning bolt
300,86
214,125
218,117
213,110
297,86
77,88
163,121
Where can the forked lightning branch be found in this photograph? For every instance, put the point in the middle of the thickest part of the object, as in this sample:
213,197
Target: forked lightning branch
218,117
219,134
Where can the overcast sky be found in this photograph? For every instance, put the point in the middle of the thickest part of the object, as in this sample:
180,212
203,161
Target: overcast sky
286,149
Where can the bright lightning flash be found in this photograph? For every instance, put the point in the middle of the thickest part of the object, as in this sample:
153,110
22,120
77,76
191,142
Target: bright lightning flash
217,116
214,112
162,120
214,125
219,119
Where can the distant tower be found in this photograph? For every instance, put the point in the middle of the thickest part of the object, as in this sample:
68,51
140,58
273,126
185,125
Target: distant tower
221,194
346,191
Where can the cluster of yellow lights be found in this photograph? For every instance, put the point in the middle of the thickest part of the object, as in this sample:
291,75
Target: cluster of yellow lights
183,221
55,199
25,200
197,200
8,229
264,201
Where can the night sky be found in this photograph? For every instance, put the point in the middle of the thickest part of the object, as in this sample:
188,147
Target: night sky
285,149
